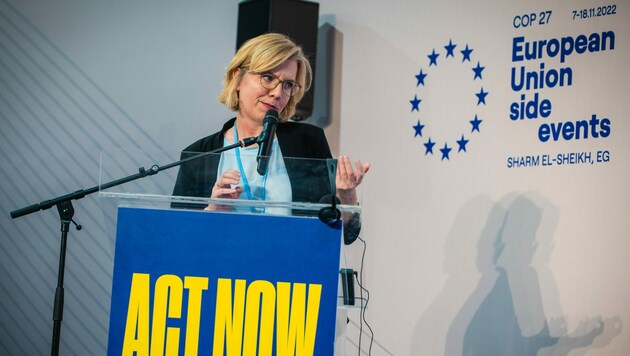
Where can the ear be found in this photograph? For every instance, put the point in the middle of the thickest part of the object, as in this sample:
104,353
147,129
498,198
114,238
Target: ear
235,73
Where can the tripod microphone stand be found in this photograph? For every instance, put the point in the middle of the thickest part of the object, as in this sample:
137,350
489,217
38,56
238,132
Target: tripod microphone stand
66,214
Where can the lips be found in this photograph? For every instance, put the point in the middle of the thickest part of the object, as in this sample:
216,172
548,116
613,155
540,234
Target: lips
269,106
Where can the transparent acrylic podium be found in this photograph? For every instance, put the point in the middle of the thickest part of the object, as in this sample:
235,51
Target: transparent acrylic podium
193,274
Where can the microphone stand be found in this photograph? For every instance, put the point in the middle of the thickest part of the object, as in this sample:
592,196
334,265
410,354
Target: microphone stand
330,214
66,213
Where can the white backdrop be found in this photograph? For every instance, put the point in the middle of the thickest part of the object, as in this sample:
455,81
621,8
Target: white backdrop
467,253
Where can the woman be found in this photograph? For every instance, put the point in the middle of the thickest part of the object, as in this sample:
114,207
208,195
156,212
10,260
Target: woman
268,72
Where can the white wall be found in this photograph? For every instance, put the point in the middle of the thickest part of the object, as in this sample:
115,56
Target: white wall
457,248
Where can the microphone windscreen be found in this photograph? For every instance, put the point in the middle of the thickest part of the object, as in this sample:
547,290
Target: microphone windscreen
265,140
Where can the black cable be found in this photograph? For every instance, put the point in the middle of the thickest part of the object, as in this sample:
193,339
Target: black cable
362,318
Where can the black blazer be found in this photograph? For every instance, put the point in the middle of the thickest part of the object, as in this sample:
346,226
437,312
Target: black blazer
309,180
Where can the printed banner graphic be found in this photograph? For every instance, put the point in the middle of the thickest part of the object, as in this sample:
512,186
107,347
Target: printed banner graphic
549,70
461,79
189,282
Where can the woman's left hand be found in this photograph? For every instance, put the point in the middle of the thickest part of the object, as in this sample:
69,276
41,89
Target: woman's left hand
348,179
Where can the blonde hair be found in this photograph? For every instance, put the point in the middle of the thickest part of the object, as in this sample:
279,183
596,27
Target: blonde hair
262,54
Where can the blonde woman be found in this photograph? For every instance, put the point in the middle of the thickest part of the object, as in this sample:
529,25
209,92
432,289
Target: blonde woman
268,72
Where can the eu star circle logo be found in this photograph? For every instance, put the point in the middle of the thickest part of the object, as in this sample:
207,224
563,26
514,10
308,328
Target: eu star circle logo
448,101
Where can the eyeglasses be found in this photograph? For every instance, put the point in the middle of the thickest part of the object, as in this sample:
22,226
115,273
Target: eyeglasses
270,82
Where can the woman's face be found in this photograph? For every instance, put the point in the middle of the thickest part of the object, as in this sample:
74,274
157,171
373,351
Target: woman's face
254,100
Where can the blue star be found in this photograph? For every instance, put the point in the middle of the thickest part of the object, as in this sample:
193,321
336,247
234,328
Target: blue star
462,144
433,58
445,151
466,52
429,147
415,103
478,69
450,48
420,76
475,124
481,97
418,127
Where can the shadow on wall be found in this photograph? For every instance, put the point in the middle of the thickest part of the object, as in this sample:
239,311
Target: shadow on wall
326,107
513,307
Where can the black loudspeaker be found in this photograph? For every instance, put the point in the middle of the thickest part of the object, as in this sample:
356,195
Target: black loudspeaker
294,18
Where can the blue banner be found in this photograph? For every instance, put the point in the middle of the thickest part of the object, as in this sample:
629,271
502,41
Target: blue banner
192,282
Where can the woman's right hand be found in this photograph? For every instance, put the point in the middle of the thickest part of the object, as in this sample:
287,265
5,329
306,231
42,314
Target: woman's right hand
222,188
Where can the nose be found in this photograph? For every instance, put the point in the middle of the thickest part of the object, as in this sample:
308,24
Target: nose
277,91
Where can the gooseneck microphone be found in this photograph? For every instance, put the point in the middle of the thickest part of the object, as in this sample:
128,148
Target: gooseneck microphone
265,140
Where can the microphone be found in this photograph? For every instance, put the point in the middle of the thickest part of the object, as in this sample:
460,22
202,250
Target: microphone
265,140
